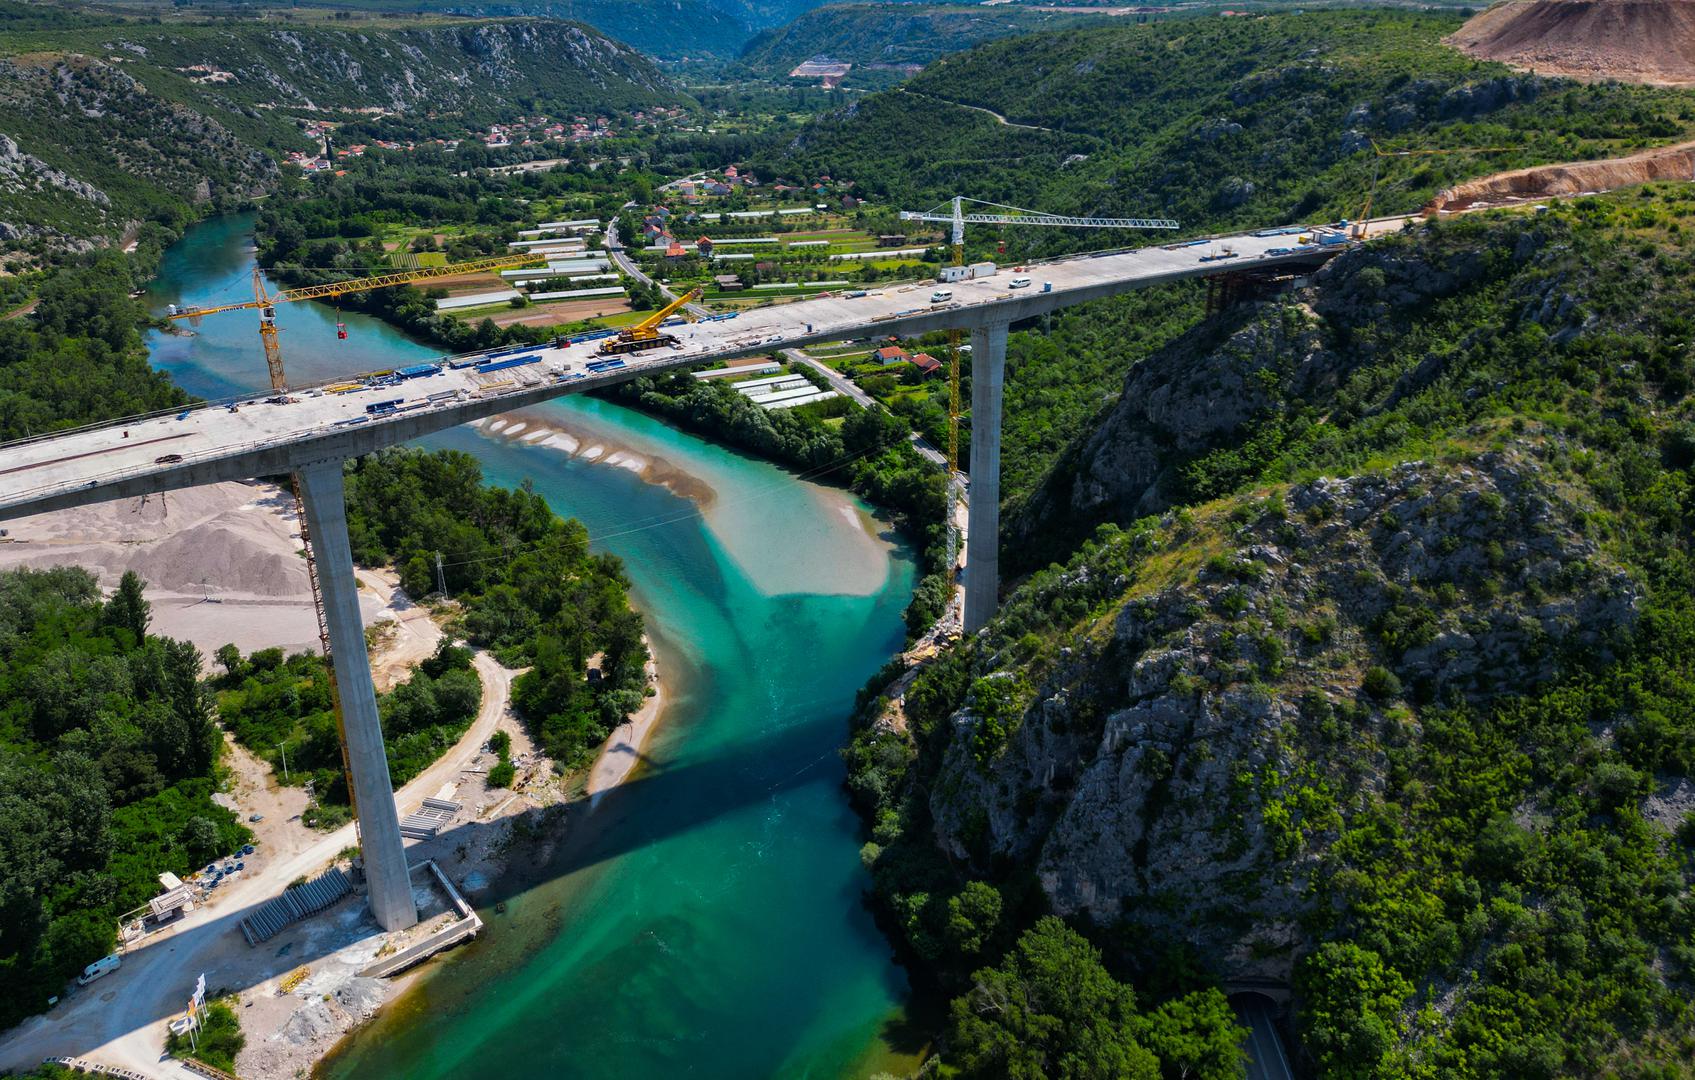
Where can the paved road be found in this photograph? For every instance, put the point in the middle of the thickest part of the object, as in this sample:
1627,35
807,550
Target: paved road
615,248
976,108
157,975
1266,1060
259,437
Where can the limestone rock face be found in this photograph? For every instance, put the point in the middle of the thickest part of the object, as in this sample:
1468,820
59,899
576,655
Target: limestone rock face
1186,770
1201,392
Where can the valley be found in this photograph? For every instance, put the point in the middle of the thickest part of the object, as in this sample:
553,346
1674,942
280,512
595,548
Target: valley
1331,717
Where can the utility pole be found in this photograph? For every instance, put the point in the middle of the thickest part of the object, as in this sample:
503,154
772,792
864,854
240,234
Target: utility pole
441,578
283,746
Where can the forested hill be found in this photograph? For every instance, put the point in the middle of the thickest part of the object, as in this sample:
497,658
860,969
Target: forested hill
891,34
1217,122
111,123
672,29
1391,707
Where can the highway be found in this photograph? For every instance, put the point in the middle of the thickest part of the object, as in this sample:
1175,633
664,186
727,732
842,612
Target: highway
260,437
1266,1060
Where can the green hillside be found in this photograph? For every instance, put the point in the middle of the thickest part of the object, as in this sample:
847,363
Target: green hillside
1393,705
119,121
672,29
1217,122
879,37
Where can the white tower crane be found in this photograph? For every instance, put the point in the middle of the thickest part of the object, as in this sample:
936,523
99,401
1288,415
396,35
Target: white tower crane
953,213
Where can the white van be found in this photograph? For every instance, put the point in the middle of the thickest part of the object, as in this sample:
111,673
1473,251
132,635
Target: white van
1018,283
101,967
940,296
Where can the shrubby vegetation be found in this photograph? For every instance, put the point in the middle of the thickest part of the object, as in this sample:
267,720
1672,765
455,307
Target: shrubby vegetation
1050,1009
107,755
280,709
1215,122
219,1039
1502,876
528,587
79,357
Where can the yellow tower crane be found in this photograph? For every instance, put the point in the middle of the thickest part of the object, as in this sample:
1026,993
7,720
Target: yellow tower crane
266,302
1378,154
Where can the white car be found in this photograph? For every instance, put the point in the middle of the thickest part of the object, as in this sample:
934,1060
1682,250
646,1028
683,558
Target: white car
1018,283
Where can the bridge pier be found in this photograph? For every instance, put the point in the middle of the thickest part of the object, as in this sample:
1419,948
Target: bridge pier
982,541
386,874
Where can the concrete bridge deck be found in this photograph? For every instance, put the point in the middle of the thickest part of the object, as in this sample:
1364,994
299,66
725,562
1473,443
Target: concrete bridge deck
310,432
214,443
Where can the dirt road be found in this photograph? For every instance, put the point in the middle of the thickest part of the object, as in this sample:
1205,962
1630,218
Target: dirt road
121,1019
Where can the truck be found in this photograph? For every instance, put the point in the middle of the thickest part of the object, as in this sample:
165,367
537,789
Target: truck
100,968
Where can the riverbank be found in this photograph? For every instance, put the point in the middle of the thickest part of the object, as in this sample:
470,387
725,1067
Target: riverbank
718,887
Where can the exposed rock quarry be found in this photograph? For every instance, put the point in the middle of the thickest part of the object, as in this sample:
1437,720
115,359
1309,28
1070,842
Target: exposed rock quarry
1646,41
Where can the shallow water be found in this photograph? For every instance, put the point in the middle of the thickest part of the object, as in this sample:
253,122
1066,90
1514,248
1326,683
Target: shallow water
705,918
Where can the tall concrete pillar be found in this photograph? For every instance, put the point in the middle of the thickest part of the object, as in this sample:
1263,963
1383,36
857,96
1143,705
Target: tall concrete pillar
379,825
982,541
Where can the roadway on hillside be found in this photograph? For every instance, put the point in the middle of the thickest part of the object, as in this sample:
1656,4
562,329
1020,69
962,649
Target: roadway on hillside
260,437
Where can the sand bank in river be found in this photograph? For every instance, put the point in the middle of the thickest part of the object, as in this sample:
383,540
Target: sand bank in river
847,562
549,434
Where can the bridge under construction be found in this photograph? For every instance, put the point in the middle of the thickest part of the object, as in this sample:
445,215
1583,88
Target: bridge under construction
311,431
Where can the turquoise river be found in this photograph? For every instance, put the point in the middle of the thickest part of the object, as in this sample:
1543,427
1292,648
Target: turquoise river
704,918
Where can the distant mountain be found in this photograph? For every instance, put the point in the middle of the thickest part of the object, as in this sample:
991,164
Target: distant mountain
109,124
1213,121
670,29
893,34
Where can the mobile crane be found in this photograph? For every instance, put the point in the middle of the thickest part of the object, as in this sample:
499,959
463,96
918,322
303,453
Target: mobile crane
266,302
645,334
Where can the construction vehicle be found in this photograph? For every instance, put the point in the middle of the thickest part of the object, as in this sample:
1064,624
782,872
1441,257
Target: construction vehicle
645,334
953,213
266,302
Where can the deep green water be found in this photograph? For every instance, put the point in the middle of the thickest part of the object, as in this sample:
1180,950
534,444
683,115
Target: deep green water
704,919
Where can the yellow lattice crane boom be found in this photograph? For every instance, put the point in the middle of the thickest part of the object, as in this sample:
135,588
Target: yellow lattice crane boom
266,302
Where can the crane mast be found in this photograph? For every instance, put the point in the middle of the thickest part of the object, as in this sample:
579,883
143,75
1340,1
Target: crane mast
266,302
954,215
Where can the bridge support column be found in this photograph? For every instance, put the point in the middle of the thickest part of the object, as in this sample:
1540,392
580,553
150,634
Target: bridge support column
982,541
384,851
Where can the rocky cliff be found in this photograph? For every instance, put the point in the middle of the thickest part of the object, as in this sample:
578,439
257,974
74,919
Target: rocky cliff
1187,762
1368,675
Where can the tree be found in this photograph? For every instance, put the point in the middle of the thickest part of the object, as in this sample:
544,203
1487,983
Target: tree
1049,1010
973,916
1197,1037
200,839
1353,1005
230,658
128,609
